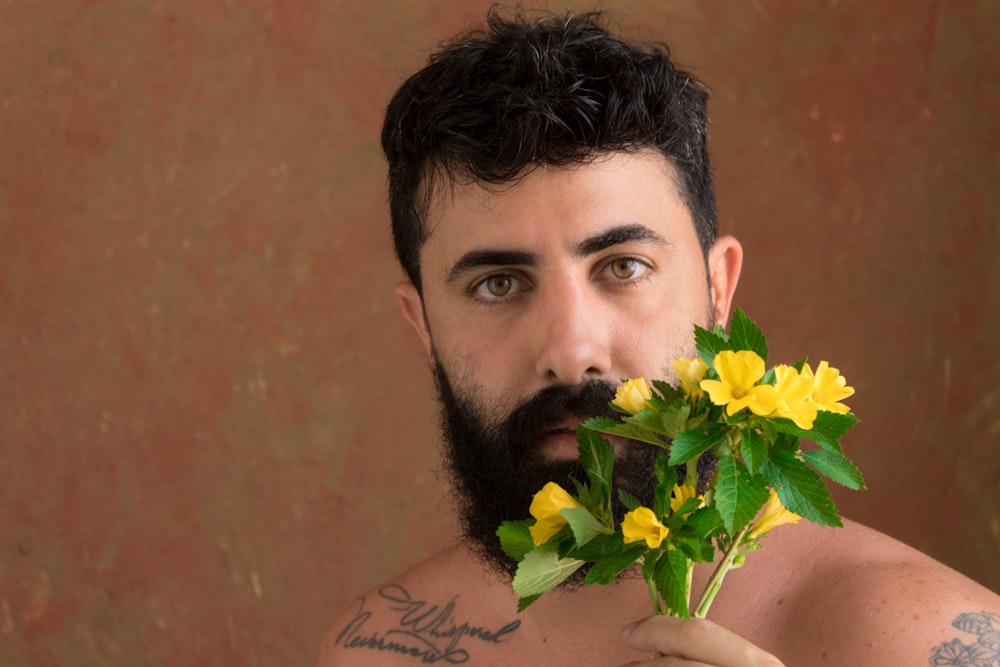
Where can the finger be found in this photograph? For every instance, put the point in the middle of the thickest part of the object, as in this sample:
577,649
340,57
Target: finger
696,640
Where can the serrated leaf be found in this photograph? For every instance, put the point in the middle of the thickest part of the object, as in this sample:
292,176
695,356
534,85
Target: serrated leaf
524,603
653,420
744,334
800,489
628,500
615,427
669,394
607,568
688,506
754,450
597,457
738,494
827,429
540,570
597,548
835,466
670,577
689,546
710,343
665,473
703,522
515,538
666,479
693,443
584,525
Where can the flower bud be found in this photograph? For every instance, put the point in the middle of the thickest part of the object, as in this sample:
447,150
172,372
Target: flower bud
631,396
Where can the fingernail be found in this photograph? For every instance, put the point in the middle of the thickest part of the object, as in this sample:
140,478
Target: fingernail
627,630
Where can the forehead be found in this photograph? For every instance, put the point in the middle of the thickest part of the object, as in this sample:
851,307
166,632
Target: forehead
550,208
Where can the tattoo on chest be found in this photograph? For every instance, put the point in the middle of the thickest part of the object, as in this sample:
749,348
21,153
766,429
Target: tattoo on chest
984,651
426,631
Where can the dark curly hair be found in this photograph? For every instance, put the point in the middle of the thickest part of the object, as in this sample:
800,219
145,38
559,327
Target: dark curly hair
539,89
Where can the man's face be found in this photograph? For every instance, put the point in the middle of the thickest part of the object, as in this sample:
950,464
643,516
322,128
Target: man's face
545,294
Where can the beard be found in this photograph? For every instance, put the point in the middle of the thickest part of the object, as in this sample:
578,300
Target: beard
498,467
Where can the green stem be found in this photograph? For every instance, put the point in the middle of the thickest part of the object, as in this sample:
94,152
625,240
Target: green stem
715,583
654,596
688,583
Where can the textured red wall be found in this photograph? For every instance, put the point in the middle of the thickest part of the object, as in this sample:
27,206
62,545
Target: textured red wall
215,429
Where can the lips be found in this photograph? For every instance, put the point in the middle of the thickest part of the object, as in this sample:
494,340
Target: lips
560,442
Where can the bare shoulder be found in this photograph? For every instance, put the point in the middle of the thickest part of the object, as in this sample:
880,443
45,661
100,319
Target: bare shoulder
444,610
870,599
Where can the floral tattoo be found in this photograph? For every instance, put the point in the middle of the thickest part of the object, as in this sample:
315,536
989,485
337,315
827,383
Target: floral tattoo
984,652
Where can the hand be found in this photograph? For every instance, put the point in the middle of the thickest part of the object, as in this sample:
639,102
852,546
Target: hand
693,643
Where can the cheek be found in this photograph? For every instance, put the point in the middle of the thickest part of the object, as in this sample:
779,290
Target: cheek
483,368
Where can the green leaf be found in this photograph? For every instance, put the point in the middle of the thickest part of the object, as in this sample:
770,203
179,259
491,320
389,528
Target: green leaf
670,394
738,494
515,538
524,603
597,457
826,431
584,525
754,450
702,523
800,489
693,443
541,570
598,548
634,431
745,335
673,419
710,343
666,479
606,569
689,505
836,466
628,500
670,577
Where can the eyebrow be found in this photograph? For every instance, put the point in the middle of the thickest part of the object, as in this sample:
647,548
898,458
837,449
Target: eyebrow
475,259
617,235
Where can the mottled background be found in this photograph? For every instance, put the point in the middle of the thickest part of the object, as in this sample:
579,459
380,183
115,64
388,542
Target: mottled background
215,430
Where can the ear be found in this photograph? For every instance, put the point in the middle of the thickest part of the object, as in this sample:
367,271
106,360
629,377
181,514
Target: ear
725,261
413,310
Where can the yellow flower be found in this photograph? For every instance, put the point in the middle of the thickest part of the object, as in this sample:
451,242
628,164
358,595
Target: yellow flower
690,372
829,387
632,395
738,373
641,524
794,390
773,515
545,507
683,493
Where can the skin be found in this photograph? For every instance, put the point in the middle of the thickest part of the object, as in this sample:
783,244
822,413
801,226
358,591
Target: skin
598,271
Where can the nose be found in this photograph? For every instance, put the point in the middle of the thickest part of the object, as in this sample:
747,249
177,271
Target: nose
573,344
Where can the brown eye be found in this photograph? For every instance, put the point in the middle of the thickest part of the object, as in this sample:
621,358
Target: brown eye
624,268
498,286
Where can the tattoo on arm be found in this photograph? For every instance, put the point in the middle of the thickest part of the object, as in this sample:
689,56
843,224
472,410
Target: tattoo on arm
984,651
418,628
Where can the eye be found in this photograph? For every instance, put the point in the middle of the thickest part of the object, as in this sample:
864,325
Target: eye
496,288
627,268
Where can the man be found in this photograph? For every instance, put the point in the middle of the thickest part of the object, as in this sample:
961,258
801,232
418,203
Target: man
553,208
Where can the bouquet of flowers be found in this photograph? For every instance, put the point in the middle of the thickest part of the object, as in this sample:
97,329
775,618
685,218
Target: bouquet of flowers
726,404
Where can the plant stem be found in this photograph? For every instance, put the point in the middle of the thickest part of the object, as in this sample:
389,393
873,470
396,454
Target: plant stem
715,583
654,595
